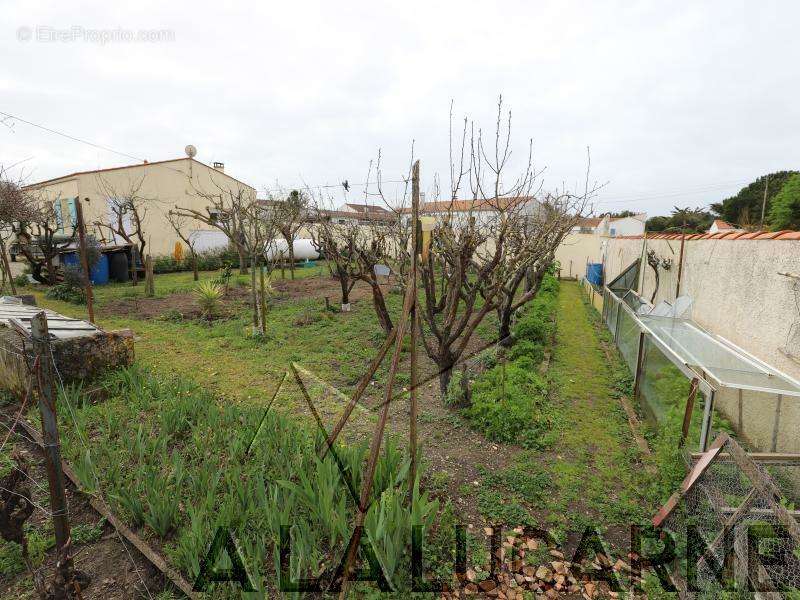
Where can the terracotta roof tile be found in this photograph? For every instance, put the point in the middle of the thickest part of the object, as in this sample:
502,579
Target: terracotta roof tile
770,235
789,235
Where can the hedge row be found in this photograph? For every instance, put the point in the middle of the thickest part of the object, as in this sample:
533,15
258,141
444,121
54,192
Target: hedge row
210,260
510,400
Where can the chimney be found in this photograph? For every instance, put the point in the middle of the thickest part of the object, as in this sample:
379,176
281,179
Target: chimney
219,166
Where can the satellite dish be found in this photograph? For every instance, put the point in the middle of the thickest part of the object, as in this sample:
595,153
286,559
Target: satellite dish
191,151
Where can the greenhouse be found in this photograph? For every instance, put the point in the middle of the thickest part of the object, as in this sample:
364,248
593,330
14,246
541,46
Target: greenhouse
685,374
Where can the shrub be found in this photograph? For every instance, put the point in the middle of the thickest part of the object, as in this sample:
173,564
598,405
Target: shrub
509,405
21,281
208,297
210,260
67,293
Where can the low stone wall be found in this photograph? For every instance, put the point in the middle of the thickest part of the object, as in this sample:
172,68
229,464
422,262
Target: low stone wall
77,359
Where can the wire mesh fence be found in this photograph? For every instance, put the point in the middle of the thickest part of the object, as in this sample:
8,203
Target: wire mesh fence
735,524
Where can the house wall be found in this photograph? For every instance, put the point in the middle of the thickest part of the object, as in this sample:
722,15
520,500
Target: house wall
736,289
627,226
576,250
165,185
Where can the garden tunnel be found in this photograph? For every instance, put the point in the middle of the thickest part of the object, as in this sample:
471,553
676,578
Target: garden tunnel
689,378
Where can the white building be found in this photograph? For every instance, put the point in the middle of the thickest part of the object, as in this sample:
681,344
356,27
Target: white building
608,227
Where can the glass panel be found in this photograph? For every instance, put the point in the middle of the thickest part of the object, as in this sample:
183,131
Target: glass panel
699,349
612,315
664,391
628,341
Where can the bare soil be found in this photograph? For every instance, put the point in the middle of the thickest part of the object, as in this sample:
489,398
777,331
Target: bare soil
117,570
183,304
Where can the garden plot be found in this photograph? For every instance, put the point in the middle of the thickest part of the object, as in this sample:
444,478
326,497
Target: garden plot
189,422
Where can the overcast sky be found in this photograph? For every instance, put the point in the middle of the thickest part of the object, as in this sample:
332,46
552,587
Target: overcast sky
680,103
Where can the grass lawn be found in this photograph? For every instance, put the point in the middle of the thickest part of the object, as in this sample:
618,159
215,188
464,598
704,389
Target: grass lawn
594,473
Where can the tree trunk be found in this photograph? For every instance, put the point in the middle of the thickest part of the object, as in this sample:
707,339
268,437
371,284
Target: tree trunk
505,325
51,273
254,295
344,282
194,267
291,257
7,266
242,260
380,307
444,382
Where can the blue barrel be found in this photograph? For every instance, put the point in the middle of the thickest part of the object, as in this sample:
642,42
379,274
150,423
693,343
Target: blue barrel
594,274
99,273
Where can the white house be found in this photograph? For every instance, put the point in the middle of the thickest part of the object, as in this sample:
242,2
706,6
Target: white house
608,227
720,226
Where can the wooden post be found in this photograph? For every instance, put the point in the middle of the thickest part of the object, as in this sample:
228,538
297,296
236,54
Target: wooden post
368,477
149,280
680,265
52,450
87,279
263,301
134,265
687,413
415,237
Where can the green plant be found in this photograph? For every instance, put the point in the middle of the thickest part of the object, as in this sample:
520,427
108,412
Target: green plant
223,279
86,533
208,298
21,280
785,210
509,404
66,292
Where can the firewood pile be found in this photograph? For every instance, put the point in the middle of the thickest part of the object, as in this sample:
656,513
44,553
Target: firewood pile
553,577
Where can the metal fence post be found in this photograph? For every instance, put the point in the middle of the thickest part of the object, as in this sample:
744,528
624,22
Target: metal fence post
637,378
708,412
52,449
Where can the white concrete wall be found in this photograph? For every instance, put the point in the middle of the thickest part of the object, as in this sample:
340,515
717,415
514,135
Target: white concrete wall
576,250
736,289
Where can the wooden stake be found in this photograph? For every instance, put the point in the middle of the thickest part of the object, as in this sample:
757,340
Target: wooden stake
135,265
680,264
415,230
87,279
52,449
377,436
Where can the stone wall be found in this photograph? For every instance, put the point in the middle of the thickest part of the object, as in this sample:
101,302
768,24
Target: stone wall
77,359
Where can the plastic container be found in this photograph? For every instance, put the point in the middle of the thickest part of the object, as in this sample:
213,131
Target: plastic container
99,273
594,274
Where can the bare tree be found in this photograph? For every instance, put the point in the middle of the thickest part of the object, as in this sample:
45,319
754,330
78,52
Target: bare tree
289,216
42,236
15,207
531,245
227,209
128,208
479,249
337,243
179,225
